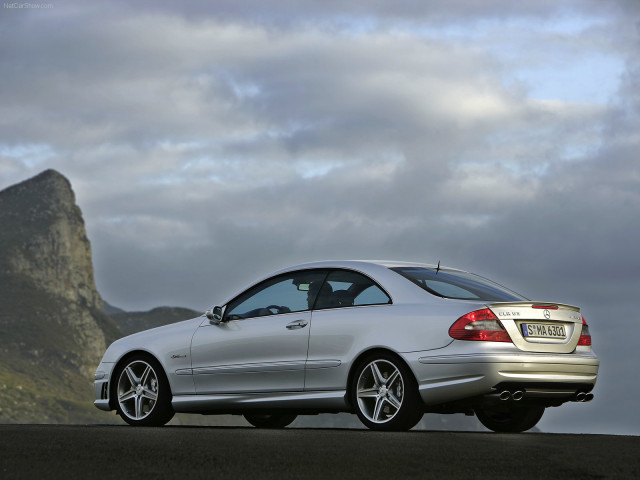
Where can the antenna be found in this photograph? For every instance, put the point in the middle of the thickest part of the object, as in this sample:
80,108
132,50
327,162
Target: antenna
438,268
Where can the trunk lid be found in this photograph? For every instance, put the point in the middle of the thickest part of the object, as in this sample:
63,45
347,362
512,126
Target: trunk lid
540,326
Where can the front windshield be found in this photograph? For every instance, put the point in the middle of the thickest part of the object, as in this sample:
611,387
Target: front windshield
457,285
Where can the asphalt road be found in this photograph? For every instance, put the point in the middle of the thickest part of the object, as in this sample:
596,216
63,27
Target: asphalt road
123,452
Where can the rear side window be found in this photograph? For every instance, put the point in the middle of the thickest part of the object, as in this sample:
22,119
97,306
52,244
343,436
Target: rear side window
345,288
457,285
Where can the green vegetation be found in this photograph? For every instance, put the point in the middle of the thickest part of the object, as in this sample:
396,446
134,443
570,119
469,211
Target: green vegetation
44,375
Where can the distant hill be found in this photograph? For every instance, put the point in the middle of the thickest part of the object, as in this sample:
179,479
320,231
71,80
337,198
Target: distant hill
110,309
132,322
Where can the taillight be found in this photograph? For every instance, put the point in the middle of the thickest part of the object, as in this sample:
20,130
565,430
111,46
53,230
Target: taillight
480,325
585,336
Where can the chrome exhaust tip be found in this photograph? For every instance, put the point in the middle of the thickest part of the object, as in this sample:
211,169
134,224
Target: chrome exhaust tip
580,396
504,396
517,395
588,397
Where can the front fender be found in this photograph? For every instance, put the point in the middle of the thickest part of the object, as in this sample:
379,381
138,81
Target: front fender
169,344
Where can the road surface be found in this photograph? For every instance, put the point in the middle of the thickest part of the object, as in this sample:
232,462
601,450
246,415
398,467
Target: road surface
189,453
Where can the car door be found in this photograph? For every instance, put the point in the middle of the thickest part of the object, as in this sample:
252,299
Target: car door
262,342
350,313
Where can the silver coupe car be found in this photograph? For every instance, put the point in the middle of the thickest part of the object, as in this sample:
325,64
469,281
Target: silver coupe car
388,341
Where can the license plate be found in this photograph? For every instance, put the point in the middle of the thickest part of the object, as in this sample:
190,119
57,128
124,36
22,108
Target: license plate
543,330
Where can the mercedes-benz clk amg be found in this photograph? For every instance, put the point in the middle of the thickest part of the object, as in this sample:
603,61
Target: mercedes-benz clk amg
388,341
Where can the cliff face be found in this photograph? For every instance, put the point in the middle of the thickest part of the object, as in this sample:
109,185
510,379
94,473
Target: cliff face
45,240
52,329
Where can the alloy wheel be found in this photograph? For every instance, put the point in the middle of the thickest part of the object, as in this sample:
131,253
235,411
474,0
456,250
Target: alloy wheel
380,391
137,390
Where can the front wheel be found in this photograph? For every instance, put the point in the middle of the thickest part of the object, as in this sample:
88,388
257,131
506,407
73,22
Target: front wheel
385,394
513,420
142,392
270,421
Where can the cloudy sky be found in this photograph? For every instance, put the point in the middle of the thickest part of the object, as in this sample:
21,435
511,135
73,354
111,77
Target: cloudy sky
212,142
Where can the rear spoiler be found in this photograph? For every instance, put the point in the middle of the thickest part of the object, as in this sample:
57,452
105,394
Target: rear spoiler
547,305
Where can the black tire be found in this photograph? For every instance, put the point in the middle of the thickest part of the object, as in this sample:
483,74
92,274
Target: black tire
512,420
270,421
384,393
141,392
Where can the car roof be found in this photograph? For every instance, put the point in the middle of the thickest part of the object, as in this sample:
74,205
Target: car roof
395,285
361,263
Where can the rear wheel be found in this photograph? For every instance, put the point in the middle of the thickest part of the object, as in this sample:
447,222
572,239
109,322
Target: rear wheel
142,392
385,394
270,421
514,420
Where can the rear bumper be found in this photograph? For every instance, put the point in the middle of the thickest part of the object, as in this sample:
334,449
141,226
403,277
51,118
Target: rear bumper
447,378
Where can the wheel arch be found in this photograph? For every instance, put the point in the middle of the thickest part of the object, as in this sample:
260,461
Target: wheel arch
113,381
358,361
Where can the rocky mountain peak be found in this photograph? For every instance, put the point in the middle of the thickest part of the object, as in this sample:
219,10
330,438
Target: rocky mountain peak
53,330
43,238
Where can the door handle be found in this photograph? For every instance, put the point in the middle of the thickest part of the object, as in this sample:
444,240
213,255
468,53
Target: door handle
297,324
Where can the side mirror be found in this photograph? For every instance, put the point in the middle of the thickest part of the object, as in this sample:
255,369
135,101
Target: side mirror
214,315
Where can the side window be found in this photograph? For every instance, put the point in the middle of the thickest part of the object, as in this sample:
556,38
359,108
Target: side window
291,292
344,288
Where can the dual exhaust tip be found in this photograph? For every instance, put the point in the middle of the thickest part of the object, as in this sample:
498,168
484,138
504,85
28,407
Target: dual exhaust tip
515,396
518,395
583,397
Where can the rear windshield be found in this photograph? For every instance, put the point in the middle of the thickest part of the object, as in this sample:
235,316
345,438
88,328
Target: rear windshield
457,285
